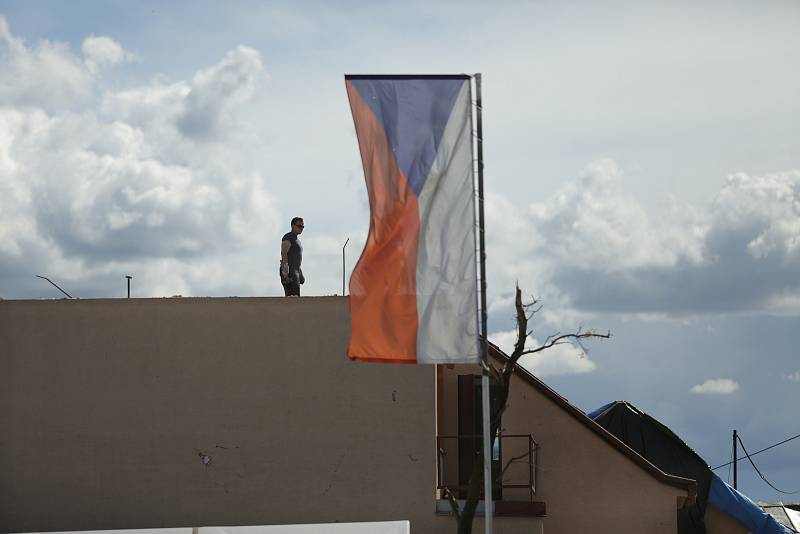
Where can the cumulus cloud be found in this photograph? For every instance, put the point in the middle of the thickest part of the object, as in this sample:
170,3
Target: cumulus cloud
763,209
561,359
100,50
46,75
91,193
517,253
593,248
155,106
206,108
594,221
215,91
793,377
716,386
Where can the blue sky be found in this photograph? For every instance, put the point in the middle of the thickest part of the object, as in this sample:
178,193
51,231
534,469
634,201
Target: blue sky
642,173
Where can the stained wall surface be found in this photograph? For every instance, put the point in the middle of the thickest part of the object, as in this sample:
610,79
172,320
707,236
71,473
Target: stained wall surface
145,413
586,484
188,412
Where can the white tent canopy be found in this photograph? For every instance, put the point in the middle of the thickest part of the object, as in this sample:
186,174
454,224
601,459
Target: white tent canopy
380,527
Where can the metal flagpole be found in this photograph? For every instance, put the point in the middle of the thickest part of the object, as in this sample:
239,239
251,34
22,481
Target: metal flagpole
485,385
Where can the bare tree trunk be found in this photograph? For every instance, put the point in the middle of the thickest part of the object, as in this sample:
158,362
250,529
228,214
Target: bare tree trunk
467,515
473,496
502,379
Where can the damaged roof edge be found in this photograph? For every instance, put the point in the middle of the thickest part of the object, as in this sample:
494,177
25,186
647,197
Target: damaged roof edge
685,483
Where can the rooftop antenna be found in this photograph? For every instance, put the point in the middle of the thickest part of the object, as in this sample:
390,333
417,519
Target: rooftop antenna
345,244
56,285
129,284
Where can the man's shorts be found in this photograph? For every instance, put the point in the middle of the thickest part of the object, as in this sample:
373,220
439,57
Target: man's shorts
291,286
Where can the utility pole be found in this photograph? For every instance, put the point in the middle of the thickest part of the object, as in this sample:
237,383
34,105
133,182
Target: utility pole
129,284
735,437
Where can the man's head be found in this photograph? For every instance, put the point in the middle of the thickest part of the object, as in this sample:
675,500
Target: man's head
298,225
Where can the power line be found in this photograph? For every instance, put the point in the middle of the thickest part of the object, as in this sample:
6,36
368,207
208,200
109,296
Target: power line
757,452
761,474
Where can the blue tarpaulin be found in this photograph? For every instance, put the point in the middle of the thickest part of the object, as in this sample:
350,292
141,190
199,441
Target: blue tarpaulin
742,509
664,449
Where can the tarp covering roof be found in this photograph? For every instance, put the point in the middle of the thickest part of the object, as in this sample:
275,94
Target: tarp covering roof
661,447
664,449
742,509
786,515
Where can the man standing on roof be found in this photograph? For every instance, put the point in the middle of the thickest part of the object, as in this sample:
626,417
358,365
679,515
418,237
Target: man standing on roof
291,258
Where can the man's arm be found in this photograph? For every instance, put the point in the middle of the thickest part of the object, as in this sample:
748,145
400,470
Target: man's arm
285,246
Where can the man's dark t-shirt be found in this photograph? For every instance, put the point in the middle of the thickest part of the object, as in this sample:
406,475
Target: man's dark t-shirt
295,253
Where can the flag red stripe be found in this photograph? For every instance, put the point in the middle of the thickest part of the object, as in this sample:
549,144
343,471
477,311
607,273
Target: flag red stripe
383,307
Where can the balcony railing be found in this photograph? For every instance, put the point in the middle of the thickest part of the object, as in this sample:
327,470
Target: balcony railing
513,465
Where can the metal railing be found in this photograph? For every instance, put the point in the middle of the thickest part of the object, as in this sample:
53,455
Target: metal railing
514,456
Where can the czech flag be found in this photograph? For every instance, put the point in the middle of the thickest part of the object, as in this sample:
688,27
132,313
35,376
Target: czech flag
413,292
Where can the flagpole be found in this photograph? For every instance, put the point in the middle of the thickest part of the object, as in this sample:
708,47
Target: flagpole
485,385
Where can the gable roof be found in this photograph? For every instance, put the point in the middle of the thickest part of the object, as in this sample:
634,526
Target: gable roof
526,376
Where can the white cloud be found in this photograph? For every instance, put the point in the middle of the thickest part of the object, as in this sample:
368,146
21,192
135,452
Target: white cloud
561,359
216,91
765,208
716,386
144,106
88,195
593,248
99,51
47,75
517,253
209,107
100,191
594,221
501,303
793,377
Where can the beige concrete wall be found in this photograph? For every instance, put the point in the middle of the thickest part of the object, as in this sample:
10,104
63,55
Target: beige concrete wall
718,522
107,408
586,484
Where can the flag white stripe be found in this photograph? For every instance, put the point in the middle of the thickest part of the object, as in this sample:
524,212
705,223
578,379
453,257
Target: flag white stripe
446,268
